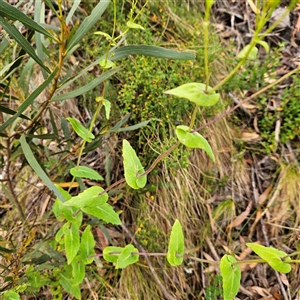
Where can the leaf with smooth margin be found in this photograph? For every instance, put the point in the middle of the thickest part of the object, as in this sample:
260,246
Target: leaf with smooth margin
28,101
72,11
133,25
92,84
252,55
14,14
107,106
70,286
10,295
193,140
176,245
196,93
19,38
38,169
72,241
9,111
126,257
108,256
81,131
88,198
120,124
78,270
132,167
103,212
231,276
4,44
85,172
130,128
87,246
88,23
148,50
272,256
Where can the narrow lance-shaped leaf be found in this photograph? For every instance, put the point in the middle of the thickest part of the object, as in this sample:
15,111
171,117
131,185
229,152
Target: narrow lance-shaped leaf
231,276
176,245
84,133
12,13
19,38
85,172
132,167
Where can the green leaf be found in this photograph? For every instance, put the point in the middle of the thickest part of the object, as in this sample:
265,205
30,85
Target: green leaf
265,45
88,198
72,11
72,241
252,55
107,106
107,36
231,276
11,112
112,257
116,128
94,83
133,25
196,93
28,101
10,295
147,50
272,256
78,270
88,23
193,140
19,38
103,212
107,64
87,246
70,286
12,13
176,245
126,257
38,169
85,172
132,167
80,130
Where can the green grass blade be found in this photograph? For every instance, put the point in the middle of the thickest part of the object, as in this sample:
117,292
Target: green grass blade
19,38
72,11
28,101
88,23
38,169
148,50
92,84
12,13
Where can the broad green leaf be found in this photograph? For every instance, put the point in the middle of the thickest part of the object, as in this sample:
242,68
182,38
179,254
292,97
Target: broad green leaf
196,93
132,167
193,140
85,172
272,256
28,101
133,25
72,241
38,169
265,45
111,253
88,198
252,55
19,38
10,295
14,14
78,270
103,212
70,286
126,257
80,130
231,276
176,245
87,246
94,83
62,212
107,64
147,50
88,23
